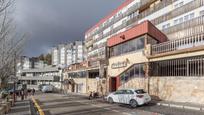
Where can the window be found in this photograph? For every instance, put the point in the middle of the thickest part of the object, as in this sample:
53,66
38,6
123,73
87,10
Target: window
136,71
176,21
140,91
202,13
129,46
178,67
192,15
129,92
181,20
186,17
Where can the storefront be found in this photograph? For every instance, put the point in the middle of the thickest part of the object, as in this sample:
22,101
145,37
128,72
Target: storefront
127,57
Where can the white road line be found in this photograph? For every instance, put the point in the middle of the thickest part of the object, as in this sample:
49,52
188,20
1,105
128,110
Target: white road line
126,113
116,111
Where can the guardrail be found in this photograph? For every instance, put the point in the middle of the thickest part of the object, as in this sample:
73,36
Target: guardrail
35,108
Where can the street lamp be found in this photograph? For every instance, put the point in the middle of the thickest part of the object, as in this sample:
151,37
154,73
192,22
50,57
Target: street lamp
60,68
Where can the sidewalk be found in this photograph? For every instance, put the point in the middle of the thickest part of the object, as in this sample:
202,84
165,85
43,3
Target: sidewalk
20,108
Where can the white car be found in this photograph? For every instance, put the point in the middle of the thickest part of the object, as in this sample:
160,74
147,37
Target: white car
133,97
47,88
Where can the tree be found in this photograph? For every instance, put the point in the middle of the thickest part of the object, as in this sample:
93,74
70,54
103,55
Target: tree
11,43
47,58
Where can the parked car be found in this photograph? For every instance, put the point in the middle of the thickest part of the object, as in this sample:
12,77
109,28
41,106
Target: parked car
3,93
132,97
41,86
47,88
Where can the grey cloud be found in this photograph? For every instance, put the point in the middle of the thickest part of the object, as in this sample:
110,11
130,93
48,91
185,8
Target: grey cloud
49,22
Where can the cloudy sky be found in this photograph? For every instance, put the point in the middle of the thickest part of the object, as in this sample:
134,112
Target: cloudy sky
50,22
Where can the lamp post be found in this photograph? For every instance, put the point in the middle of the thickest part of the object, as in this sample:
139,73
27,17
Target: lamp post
60,68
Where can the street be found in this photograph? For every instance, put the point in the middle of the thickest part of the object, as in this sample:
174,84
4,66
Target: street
58,104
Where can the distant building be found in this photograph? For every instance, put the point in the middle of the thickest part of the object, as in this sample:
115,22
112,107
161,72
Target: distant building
35,76
67,54
25,63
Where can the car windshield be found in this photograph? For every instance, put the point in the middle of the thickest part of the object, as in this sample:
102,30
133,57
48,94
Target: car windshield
140,91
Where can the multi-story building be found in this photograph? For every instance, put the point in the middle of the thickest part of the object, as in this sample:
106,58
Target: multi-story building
67,54
46,75
171,70
176,18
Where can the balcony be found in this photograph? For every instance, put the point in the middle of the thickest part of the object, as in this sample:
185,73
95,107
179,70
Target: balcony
178,11
187,24
180,44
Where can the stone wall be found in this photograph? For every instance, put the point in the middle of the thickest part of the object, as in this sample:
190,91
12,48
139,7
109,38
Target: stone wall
177,89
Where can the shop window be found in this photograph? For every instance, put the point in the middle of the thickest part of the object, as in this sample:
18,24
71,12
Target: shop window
129,46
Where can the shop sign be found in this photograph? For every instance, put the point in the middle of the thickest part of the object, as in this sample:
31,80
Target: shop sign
120,64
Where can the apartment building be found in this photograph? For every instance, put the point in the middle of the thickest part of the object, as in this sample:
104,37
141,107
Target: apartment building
176,18
169,66
67,54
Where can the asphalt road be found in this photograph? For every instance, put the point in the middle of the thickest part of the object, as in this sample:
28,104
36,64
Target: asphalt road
57,104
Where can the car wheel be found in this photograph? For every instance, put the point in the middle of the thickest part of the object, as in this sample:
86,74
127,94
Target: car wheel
110,100
133,103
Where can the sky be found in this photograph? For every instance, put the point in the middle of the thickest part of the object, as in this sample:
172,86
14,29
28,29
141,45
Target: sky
51,22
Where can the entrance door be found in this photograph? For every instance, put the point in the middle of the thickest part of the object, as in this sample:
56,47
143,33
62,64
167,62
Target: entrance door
113,84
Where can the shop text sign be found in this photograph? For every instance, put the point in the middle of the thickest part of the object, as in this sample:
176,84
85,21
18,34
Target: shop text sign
120,64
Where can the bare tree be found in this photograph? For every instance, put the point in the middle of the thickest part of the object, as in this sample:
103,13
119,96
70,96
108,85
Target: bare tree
11,43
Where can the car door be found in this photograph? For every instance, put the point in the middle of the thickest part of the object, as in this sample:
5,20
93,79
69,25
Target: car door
116,96
129,94
122,96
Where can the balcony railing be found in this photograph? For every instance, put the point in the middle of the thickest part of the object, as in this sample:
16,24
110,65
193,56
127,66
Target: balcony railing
178,11
174,45
187,24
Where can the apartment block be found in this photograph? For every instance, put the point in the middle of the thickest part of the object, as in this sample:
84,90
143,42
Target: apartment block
156,45
67,54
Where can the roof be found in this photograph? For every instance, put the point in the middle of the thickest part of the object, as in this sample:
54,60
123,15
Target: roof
127,2
46,69
143,28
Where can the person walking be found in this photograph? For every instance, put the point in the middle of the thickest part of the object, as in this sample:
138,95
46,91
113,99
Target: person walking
22,94
33,91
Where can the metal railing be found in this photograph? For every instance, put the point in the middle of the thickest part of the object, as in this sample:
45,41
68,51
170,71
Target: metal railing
187,24
178,11
189,42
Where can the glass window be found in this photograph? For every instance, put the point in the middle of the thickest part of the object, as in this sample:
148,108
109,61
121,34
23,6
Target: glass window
186,17
180,20
142,72
126,47
132,72
140,43
137,70
192,15
202,13
129,92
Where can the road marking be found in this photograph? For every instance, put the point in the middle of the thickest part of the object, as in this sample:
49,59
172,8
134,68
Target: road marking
116,111
126,113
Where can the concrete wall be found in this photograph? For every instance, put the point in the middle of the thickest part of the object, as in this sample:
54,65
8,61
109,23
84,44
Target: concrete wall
177,89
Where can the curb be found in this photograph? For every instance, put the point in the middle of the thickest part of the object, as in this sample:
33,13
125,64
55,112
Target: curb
41,112
181,106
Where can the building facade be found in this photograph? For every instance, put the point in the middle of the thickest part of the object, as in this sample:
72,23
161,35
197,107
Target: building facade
34,77
126,52
67,54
